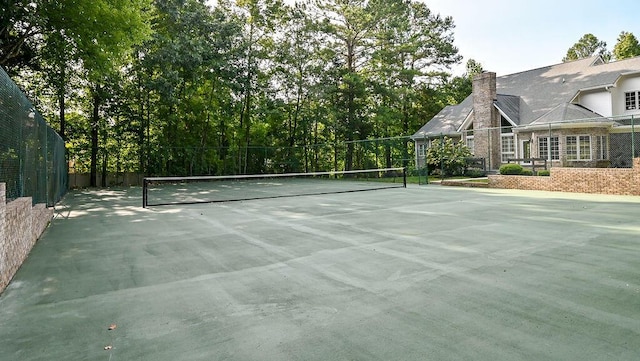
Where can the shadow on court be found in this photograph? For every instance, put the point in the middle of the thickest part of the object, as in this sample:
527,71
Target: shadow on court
422,273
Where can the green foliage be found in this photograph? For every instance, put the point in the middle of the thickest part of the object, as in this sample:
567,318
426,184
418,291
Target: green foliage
626,47
178,87
511,169
588,45
473,68
528,172
543,173
475,173
20,24
446,155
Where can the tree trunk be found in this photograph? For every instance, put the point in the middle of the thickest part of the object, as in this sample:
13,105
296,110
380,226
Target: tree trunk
105,158
94,140
61,105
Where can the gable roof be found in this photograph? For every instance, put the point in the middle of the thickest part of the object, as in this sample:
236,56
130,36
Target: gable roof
539,91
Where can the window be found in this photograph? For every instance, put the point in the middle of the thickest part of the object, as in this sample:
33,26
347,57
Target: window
469,142
601,151
631,100
549,149
421,149
578,147
507,147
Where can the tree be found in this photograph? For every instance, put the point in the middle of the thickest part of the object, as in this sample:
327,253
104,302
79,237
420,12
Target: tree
103,32
20,24
183,72
192,89
626,47
294,81
413,47
586,47
473,68
351,27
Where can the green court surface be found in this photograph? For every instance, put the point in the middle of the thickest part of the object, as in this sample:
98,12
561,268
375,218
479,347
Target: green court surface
422,273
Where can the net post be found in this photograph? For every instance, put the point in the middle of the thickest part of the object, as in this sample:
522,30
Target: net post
144,192
404,177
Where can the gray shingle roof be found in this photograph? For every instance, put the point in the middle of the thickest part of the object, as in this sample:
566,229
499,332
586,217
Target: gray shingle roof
447,121
570,113
510,106
539,91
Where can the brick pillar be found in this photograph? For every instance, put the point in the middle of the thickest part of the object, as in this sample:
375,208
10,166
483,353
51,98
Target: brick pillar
4,277
486,119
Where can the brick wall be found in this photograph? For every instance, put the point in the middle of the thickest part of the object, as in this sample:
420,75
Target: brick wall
21,224
623,181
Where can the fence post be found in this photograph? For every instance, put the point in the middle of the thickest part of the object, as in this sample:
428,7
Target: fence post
489,132
633,139
442,156
424,159
548,155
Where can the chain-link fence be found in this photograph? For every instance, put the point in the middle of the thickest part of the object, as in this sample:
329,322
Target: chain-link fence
32,155
255,159
584,143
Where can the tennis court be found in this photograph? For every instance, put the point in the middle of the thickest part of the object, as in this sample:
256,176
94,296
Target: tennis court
416,273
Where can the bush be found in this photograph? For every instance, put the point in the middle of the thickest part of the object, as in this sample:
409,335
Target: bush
448,156
511,169
544,173
527,172
475,173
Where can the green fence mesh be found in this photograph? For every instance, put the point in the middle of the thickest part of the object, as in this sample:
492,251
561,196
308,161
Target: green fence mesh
32,154
377,153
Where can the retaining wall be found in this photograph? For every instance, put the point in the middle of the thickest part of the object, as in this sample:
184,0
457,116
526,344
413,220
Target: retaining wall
21,224
622,181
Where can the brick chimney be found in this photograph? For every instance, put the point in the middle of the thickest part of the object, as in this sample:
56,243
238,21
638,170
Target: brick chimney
486,119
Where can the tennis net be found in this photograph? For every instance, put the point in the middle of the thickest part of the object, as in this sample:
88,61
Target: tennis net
162,191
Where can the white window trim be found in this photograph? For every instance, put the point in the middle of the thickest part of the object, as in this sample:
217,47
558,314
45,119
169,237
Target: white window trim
548,155
636,104
510,154
601,147
422,149
579,157
466,142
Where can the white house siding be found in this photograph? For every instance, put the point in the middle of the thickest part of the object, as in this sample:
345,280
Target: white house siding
599,102
624,85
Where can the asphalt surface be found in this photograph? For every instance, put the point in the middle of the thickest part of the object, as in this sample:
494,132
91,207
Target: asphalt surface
423,273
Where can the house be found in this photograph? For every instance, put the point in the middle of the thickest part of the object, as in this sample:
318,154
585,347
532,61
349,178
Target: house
576,114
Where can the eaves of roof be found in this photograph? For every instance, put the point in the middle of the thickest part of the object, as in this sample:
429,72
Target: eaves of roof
566,125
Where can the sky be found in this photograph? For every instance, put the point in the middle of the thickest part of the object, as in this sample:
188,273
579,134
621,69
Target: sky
510,36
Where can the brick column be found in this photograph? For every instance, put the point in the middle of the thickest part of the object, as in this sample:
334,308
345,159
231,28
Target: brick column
4,277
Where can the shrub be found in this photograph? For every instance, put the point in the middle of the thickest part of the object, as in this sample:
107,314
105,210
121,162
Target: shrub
544,173
446,155
527,172
475,173
511,169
